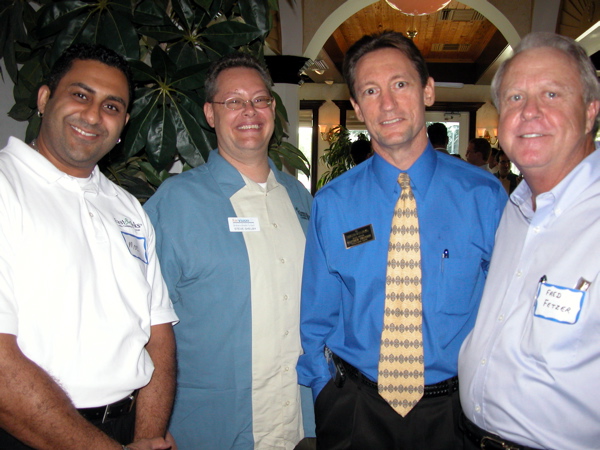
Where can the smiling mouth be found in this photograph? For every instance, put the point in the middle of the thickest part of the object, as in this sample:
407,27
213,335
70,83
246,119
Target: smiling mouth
249,127
531,135
388,122
84,133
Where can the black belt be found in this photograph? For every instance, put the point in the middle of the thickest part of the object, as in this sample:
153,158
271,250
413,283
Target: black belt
112,411
485,440
440,389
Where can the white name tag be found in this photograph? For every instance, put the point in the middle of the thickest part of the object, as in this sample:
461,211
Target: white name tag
558,303
241,224
136,246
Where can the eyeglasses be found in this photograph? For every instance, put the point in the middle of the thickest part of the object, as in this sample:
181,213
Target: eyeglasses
236,103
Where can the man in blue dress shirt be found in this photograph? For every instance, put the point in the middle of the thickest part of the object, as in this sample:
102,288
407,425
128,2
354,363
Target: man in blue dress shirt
344,282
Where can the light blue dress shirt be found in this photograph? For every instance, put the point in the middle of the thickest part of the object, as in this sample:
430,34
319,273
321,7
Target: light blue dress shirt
343,289
528,378
207,271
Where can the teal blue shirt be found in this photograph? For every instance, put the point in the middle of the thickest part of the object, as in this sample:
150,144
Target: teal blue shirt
207,271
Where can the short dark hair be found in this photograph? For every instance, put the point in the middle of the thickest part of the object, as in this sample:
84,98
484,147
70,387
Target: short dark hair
438,134
231,61
387,39
86,52
360,150
481,145
500,154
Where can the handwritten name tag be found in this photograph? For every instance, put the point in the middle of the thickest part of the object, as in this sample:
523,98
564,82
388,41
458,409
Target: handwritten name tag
241,224
558,303
136,246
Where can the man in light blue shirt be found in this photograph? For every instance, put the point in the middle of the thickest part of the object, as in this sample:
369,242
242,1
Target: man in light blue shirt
529,370
344,280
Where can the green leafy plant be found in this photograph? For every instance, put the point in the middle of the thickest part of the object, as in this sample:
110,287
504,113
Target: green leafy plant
337,157
170,44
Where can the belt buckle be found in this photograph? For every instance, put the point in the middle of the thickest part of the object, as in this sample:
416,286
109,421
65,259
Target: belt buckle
132,397
106,413
496,441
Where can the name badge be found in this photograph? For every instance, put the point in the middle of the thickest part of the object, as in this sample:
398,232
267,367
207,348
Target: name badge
359,236
558,303
241,224
136,246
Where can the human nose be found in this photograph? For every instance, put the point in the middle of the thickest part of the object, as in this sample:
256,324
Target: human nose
251,110
92,114
388,101
531,108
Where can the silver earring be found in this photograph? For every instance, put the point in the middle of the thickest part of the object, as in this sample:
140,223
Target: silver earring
40,114
118,141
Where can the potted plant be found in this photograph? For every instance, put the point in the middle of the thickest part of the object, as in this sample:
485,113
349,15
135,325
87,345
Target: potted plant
169,44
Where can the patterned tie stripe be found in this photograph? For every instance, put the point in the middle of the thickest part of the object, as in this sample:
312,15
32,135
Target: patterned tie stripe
401,367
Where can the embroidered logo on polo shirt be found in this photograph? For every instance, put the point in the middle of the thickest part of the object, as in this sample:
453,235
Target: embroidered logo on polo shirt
126,222
302,214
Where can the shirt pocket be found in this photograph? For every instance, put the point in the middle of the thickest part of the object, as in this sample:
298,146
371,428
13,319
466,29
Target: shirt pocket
461,284
551,343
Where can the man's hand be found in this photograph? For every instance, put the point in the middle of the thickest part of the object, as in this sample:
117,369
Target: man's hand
155,443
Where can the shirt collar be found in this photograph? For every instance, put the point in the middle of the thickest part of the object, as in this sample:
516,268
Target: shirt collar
48,171
230,179
569,191
421,173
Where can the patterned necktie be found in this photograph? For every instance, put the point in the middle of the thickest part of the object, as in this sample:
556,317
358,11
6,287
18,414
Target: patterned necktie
400,377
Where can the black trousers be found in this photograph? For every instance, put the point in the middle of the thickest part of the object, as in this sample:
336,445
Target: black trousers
120,429
356,417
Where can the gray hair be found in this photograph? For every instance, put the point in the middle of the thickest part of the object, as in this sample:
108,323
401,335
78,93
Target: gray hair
587,71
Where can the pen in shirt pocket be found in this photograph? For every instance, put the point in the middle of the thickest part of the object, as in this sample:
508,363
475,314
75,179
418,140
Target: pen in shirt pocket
445,256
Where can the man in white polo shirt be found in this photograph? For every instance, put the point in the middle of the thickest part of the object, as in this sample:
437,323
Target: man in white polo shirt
87,356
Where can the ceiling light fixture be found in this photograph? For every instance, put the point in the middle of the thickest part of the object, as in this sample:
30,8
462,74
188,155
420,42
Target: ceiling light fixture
418,7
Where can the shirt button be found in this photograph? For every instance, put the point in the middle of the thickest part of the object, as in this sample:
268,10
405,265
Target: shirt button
519,273
91,215
286,333
286,368
287,403
477,408
282,261
500,317
285,297
483,361
536,230
274,225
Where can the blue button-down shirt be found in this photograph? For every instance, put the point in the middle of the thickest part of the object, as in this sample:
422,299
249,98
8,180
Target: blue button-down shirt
343,289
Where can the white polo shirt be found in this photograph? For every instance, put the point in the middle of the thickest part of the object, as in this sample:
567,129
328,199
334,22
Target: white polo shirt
80,283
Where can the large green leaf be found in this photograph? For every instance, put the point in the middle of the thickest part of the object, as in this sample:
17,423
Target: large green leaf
293,156
231,33
192,137
116,31
139,124
142,72
55,17
190,78
257,13
12,30
161,64
161,143
150,13
186,13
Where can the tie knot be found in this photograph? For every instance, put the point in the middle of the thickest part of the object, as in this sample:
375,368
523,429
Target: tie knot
404,180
